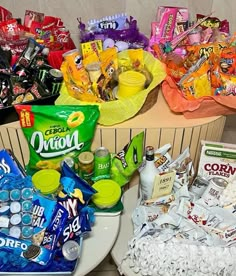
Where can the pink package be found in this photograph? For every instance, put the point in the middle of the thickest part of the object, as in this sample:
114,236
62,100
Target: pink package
166,20
182,20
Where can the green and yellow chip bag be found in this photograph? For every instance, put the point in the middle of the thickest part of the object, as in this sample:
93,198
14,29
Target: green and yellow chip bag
56,132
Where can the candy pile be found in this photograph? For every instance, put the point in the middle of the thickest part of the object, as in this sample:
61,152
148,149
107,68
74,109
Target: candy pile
199,55
47,30
114,30
29,56
30,78
190,230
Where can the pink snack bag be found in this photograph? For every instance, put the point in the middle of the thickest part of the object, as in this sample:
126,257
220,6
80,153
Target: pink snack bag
166,20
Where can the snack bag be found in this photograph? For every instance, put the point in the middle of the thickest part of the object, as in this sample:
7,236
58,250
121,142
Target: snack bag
75,196
56,132
196,83
128,160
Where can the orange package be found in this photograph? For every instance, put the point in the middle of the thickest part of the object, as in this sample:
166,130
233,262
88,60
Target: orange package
228,60
175,66
197,83
207,49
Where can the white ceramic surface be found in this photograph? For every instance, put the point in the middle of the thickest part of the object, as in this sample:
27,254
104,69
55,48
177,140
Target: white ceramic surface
99,243
126,231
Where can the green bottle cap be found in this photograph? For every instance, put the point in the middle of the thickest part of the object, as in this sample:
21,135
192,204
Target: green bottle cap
47,181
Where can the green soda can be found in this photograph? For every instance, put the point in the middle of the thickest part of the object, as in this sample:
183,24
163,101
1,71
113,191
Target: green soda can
102,163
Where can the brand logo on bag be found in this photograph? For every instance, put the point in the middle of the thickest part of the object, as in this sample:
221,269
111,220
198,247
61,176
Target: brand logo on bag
12,243
55,146
108,25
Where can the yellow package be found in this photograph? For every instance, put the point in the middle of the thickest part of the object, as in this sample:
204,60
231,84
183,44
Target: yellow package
197,82
109,62
136,57
92,46
228,83
91,58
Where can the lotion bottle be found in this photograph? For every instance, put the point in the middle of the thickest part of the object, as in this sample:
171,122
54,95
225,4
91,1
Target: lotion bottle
147,174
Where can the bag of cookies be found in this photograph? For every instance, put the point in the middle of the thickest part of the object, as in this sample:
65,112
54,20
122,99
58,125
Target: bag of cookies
54,133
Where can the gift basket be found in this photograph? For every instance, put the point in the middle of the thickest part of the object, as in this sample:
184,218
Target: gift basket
112,70
31,55
184,220
199,56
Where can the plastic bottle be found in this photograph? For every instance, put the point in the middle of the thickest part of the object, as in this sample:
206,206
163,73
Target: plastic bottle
147,174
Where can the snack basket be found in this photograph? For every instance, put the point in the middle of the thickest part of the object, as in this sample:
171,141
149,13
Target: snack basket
112,112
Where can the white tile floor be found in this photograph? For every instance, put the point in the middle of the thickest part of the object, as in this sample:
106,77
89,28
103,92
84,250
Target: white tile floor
107,267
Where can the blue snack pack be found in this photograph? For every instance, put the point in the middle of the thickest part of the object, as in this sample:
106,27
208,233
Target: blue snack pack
25,249
43,209
9,164
53,231
74,197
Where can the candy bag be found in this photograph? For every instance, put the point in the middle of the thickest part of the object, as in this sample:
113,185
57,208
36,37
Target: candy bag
56,132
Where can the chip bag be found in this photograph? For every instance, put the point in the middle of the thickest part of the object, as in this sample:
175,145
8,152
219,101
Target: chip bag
128,160
56,132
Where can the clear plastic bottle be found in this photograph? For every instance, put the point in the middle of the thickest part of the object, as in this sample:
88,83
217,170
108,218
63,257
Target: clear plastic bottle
147,174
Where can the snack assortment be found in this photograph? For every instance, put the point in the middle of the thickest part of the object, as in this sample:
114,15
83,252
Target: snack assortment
47,30
199,55
41,232
179,233
27,71
99,75
30,78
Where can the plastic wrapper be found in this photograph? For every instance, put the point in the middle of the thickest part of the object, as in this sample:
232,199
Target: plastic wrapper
74,124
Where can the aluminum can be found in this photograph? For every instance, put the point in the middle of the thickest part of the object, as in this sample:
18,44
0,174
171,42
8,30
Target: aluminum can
214,189
54,80
69,161
71,250
63,36
102,163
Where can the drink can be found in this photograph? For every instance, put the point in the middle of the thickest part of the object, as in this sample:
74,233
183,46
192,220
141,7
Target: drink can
102,163
214,189
43,71
54,80
71,250
74,62
69,161
63,36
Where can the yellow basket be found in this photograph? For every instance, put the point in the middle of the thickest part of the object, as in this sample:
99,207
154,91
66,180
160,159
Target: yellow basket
114,112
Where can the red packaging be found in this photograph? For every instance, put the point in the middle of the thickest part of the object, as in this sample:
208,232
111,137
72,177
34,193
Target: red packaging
9,27
5,14
31,16
36,28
